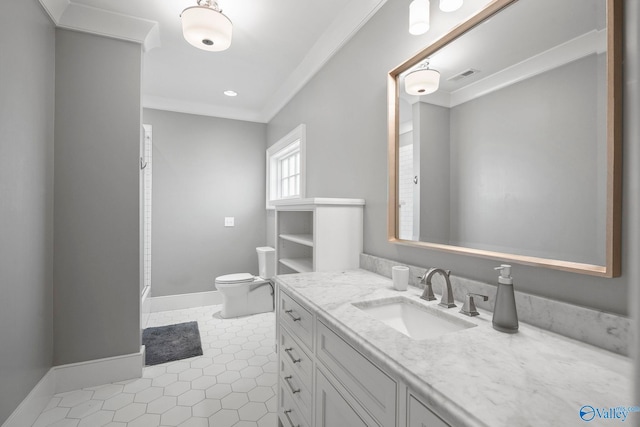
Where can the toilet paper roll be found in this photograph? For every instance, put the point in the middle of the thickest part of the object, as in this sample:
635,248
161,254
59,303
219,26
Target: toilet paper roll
400,276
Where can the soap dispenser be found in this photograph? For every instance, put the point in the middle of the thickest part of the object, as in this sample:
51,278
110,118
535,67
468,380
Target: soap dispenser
505,316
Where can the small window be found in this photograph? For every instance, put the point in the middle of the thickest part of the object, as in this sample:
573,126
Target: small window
286,167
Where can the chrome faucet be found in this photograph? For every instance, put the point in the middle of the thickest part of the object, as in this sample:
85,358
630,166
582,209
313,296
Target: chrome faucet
469,306
427,295
447,293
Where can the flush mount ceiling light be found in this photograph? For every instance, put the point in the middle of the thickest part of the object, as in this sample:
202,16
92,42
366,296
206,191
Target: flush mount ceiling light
205,27
422,81
450,5
419,17
230,93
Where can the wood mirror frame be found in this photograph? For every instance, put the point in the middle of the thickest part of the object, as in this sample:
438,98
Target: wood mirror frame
611,268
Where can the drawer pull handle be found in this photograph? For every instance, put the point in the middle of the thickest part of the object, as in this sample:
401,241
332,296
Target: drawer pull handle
288,351
286,414
293,390
290,313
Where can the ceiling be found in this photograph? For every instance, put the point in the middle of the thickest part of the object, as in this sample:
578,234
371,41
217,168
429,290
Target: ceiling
277,47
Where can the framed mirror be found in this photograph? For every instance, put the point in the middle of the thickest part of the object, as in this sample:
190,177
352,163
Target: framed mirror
505,137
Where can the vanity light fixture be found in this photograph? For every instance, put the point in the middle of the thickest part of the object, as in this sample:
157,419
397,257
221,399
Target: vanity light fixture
419,17
450,5
206,27
422,81
230,93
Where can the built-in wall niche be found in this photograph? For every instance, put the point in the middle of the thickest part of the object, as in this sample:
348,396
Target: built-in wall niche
295,241
517,154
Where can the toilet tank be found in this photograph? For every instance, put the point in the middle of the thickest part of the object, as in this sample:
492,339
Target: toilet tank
266,262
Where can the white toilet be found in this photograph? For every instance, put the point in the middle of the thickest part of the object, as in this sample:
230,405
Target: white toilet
244,293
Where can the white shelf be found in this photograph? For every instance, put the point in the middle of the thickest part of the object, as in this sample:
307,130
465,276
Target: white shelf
301,265
318,201
303,239
318,234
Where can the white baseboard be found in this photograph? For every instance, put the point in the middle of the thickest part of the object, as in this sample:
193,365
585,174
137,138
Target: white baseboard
30,408
182,301
74,376
97,372
60,379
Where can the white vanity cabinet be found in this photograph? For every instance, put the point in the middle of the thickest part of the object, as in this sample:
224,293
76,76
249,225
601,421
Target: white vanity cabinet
371,387
418,415
318,234
325,381
295,324
335,408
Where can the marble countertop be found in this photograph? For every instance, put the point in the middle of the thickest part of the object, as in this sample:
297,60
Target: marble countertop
477,376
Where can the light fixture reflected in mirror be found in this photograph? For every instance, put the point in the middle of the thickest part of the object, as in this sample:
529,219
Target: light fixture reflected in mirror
206,27
450,5
422,81
419,17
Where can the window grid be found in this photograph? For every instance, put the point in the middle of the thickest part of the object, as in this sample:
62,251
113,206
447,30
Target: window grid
285,167
289,175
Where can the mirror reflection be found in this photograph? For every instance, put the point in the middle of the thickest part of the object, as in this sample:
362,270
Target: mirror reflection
502,136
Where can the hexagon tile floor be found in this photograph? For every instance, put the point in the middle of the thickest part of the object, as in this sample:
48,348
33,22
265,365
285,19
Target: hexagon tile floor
232,384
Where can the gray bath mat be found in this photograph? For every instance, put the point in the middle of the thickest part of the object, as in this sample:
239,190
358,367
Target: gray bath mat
171,342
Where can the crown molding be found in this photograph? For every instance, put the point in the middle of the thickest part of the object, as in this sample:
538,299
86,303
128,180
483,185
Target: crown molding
201,109
341,30
73,16
586,44
55,8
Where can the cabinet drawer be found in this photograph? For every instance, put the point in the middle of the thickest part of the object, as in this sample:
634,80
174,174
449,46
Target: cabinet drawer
297,318
292,351
297,388
421,416
333,409
369,385
290,415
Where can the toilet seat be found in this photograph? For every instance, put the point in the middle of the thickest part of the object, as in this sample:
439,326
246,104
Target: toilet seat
235,278
239,282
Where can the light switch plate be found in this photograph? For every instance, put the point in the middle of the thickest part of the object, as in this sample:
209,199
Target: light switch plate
229,221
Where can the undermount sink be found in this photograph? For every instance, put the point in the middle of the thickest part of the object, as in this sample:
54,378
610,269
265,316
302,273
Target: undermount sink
413,319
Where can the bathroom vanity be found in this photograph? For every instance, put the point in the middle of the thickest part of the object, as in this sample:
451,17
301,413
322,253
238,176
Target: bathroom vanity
341,365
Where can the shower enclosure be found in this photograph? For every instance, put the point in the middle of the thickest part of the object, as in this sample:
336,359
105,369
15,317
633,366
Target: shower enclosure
146,167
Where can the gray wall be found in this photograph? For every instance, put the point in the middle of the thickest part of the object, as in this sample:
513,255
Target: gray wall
205,169
431,135
96,218
524,167
632,170
27,64
344,107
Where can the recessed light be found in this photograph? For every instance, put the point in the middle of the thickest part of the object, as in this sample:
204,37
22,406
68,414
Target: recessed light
231,93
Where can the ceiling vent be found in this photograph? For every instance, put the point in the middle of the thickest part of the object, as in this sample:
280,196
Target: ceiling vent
463,75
